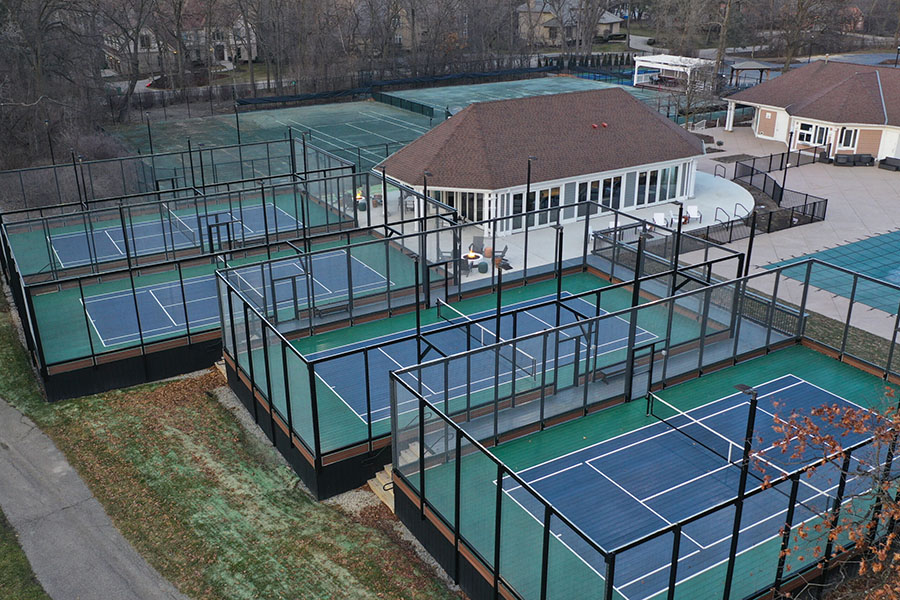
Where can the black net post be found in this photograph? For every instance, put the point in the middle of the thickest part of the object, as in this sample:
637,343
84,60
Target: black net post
610,575
786,533
742,484
314,412
497,529
456,507
836,510
545,551
673,566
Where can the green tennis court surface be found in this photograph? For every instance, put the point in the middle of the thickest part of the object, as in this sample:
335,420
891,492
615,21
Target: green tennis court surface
875,256
572,571
459,96
340,128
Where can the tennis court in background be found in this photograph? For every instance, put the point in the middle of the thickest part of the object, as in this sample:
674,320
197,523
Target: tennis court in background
875,256
676,466
377,129
525,361
457,97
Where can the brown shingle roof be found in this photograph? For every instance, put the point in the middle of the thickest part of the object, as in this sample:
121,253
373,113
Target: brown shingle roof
486,145
833,91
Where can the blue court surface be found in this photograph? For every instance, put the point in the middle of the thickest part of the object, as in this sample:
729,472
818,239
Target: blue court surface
162,306
169,232
391,355
655,476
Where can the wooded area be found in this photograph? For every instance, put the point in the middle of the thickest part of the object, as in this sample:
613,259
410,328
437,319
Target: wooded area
54,53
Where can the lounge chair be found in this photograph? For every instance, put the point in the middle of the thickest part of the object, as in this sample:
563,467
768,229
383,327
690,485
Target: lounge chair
659,219
694,213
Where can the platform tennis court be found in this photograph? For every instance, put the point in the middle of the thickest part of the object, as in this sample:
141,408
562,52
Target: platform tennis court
172,231
675,467
875,256
480,375
165,308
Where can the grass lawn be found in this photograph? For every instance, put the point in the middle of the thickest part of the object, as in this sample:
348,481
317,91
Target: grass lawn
16,578
210,507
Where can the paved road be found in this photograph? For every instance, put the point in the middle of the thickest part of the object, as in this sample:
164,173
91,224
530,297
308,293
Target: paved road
75,550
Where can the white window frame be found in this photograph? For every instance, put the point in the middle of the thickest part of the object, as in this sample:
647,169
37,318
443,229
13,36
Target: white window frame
805,133
854,138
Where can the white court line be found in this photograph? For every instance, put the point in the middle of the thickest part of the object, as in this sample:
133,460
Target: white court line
401,366
58,259
163,307
559,539
392,140
633,431
341,144
119,250
636,499
91,319
390,120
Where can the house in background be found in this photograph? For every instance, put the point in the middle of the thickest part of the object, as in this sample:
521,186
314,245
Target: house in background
582,146
229,41
852,109
538,22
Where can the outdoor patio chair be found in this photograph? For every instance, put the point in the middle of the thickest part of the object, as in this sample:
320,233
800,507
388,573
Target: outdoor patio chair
823,157
659,219
843,160
694,213
409,204
477,244
863,160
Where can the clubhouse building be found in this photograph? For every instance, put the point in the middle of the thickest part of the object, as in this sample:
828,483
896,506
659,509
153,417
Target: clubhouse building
603,146
852,109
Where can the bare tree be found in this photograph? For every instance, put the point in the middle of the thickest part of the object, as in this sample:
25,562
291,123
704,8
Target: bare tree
125,23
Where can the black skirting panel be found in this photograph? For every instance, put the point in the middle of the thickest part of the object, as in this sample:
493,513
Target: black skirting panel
134,370
472,582
329,480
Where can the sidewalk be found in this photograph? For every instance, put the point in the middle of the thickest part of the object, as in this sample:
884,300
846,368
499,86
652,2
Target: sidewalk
73,547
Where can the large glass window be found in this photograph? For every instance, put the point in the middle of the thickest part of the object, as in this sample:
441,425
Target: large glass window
664,184
545,203
554,203
652,186
673,182
629,189
847,139
518,207
530,207
642,187
616,192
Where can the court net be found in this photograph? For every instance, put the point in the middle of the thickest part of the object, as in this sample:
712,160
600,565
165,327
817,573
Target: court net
704,435
698,431
517,358
179,225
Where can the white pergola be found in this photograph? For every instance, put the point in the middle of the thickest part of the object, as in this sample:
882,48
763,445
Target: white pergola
668,65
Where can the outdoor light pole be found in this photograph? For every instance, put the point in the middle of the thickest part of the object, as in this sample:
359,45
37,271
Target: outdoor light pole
742,483
632,321
425,176
676,251
897,58
787,165
528,182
